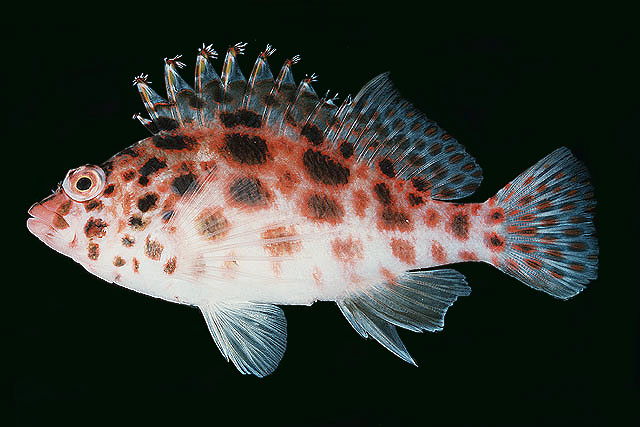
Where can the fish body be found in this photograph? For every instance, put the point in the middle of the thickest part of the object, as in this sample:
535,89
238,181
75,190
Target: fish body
253,193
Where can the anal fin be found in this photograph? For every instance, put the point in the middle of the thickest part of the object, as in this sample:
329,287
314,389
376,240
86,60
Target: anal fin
415,300
253,336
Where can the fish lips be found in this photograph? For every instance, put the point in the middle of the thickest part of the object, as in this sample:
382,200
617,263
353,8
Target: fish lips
50,227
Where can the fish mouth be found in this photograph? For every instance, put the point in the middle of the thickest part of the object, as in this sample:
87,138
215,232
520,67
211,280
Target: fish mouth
40,223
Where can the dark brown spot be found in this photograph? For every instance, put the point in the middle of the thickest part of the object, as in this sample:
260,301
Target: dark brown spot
577,246
109,189
143,181
153,249
525,247
324,169
129,175
393,219
386,167
164,123
64,208
211,224
346,149
246,149
420,184
147,202
95,227
183,183
435,149
312,133
137,223
151,166
118,261
324,208
382,193
460,225
128,241
173,142
248,191
456,158
93,251
93,205
415,200
242,117
533,263
59,222
170,265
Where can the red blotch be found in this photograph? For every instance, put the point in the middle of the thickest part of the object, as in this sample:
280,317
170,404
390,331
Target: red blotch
438,254
287,182
347,250
284,243
568,207
544,205
541,188
533,263
467,256
524,247
496,216
528,181
431,218
170,265
404,251
389,276
136,265
576,267
360,202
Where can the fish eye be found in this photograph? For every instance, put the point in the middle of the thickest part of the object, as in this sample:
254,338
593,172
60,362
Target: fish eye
84,183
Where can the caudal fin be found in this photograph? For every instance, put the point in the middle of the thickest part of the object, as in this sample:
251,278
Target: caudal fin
548,219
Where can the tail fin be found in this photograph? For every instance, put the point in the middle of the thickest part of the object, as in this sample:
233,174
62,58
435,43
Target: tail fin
548,219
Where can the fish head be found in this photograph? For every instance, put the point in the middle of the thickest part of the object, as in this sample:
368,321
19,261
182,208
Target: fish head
77,216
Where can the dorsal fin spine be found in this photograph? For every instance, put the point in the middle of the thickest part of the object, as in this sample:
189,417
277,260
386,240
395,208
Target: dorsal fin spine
261,73
174,84
206,75
232,77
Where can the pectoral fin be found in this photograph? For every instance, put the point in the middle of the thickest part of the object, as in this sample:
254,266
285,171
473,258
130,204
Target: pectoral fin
253,336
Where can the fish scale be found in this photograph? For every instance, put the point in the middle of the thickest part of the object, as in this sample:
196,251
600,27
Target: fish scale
253,193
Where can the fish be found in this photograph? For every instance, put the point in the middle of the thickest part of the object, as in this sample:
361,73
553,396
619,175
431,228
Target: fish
251,194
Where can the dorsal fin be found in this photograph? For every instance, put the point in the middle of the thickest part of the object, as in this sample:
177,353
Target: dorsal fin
378,126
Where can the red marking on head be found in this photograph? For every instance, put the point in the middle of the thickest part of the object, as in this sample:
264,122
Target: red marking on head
431,218
347,250
404,251
360,202
438,253
494,241
467,256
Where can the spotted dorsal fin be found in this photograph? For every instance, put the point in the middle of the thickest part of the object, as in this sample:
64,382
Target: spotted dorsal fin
377,127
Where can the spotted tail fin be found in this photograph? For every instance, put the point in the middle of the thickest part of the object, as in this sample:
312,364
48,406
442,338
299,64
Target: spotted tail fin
548,220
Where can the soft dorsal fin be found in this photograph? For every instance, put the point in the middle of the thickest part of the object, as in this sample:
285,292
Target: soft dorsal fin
378,126
415,300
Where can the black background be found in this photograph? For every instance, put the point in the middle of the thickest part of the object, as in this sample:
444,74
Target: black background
511,85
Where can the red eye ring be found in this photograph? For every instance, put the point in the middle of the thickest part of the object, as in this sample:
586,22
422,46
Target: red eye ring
84,183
